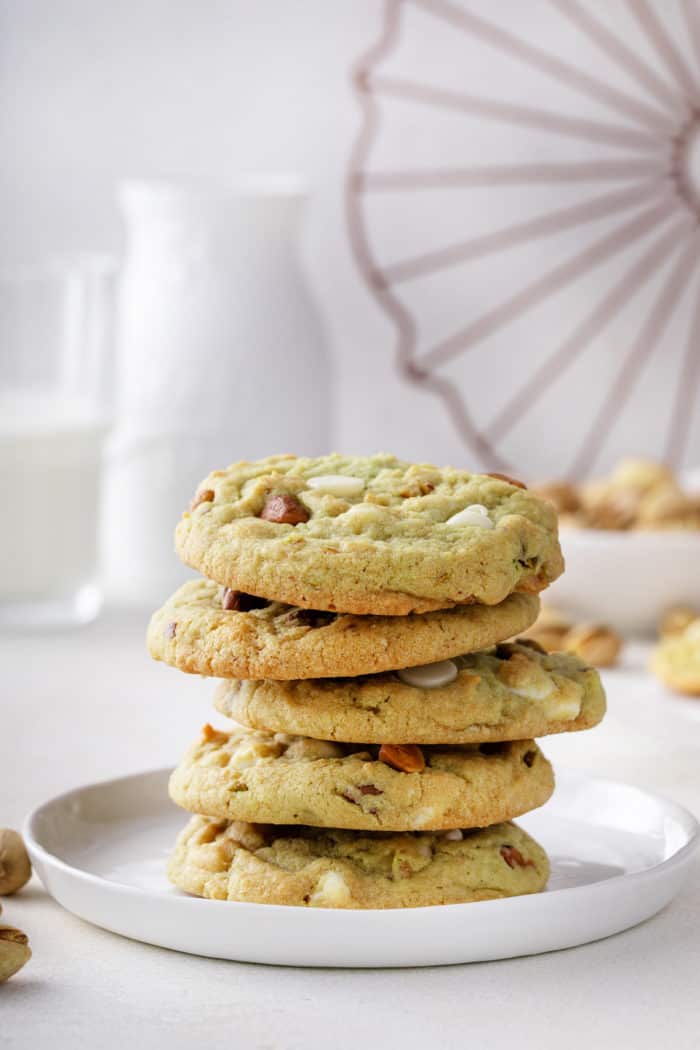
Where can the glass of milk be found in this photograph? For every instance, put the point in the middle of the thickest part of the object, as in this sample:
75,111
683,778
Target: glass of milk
56,361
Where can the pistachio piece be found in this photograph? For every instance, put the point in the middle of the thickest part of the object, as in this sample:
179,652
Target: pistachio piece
284,510
239,601
514,858
597,644
15,868
205,496
407,758
14,951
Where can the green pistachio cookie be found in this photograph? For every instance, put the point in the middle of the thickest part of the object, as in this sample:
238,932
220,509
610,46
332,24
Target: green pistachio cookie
206,629
369,535
512,692
314,868
276,779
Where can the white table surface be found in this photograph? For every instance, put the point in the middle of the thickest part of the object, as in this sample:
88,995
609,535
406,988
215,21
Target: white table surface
89,705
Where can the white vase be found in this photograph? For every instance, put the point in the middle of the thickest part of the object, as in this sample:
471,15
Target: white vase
221,357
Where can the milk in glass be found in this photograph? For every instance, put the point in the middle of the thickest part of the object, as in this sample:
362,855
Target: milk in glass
49,474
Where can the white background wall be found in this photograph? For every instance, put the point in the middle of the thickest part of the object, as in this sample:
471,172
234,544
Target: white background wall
95,91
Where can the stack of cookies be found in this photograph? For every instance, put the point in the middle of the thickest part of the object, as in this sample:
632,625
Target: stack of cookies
356,611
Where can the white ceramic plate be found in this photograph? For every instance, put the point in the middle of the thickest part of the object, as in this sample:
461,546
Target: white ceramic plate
618,856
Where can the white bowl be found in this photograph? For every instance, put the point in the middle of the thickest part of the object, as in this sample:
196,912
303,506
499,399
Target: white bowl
626,579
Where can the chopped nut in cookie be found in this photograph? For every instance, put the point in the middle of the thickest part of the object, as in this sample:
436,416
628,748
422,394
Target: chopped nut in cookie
356,792
407,758
514,858
205,496
211,735
284,510
237,601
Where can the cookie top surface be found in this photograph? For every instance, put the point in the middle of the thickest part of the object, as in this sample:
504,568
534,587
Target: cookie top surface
368,535
316,868
276,779
676,659
193,632
512,692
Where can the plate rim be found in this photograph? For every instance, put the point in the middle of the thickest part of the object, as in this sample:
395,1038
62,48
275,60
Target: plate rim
40,853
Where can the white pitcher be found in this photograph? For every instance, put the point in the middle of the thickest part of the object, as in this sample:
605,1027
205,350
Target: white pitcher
221,358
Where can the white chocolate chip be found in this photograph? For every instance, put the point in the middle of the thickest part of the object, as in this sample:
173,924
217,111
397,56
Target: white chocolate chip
247,835
537,690
331,890
454,836
337,484
565,709
476,514
360,514
429,676
563,704
249,752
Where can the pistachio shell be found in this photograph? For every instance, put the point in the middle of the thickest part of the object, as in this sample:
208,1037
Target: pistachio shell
14,951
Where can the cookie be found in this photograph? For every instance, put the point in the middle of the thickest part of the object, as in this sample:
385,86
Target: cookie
512,692
369,535
676,659
195,633
276,779
311,868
